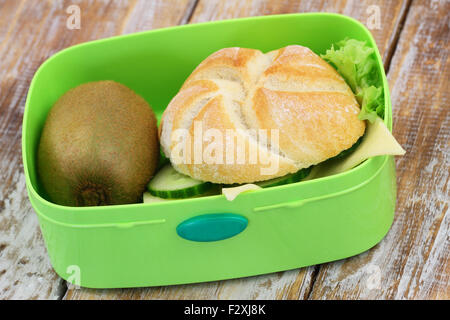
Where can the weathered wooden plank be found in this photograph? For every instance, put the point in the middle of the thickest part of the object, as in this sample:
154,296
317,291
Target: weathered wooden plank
284,285
30,32
382,17
412,262
295,284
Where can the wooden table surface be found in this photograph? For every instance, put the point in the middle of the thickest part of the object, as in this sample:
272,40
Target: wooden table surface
411,262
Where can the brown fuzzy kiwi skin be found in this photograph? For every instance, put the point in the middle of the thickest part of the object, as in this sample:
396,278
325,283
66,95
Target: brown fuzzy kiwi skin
99,146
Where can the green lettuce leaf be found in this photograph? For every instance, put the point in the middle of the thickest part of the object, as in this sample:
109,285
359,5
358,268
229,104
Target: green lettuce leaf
356,63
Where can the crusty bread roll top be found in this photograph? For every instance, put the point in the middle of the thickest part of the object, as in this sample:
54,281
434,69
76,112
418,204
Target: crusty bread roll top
289,108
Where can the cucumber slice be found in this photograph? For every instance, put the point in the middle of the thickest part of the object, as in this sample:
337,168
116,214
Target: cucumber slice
149,198
290,178
170,184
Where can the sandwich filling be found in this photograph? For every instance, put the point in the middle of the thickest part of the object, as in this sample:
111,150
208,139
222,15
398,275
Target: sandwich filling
308,99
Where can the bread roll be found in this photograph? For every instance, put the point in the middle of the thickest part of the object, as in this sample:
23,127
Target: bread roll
290,96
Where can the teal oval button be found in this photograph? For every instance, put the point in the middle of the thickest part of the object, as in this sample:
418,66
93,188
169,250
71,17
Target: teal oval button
212,227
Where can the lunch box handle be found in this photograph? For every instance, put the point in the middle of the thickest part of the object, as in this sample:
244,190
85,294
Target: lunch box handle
212,227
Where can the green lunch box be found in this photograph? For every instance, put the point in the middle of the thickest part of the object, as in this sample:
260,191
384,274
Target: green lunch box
281,228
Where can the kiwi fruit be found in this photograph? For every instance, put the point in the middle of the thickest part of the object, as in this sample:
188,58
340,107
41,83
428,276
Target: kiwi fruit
99,146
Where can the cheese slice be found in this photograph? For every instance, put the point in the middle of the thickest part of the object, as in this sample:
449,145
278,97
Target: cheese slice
377,141
233,192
